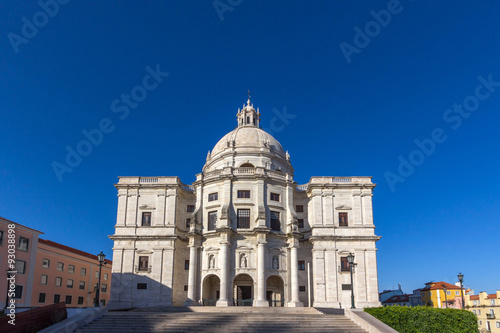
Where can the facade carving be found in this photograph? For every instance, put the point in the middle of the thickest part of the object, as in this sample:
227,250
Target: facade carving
244,233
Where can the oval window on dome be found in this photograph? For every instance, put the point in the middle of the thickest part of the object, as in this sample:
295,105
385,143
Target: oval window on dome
247,165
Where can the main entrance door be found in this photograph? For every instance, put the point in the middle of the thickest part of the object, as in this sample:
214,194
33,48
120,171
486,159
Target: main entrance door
275,291
243,290
211,290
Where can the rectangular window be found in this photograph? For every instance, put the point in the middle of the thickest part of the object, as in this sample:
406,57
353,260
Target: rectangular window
96,274
104,288
212,221
69,283
80,300
83,271
1,237
18,292
498,324
188,223
301,223
275,197
302,288
448,292
60,266
243,218
213,196
81,286
44,279
346,287
103,302
185,288
275,221
343,220
243,194
492,302
71,269
58,281
68,299
302,265
20,266
41,298
186,265
344,265
457,292
57,298
142,286
190,208
23,244
299,208
143,263
146,219
105,276
46,263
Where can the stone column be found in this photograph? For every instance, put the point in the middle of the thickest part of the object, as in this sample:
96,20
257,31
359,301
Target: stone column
193,260
261,272
224,272
294,274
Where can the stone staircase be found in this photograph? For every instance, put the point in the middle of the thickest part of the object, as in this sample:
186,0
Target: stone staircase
222,320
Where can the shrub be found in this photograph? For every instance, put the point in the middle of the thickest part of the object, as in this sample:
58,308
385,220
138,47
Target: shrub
422,319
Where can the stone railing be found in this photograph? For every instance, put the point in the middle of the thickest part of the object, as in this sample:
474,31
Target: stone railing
302,187
188,188
245,171
276,174
341,179
213,174
148,180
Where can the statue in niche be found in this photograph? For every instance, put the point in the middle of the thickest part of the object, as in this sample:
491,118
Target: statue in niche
276,263
211,261
243,261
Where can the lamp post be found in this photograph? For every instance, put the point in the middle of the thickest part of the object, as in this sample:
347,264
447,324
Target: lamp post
461,279
445,297
100,257
350,260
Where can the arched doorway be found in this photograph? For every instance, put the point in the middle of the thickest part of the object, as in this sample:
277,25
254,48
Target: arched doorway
243,290
275,291
211,290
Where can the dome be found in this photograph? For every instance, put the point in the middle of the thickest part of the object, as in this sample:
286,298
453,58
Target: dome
248,139
248,146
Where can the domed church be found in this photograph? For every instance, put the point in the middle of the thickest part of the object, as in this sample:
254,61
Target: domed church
244,233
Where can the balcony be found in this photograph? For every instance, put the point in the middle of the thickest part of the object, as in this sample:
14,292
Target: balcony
490,316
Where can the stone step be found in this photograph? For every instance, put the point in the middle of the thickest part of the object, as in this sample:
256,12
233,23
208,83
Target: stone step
288,320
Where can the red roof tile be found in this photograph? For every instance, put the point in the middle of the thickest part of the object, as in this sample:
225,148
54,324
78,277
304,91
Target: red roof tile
70,249
439,285
474,297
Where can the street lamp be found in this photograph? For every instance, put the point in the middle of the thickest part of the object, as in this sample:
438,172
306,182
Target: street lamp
350,260
100,258
445,297
461,279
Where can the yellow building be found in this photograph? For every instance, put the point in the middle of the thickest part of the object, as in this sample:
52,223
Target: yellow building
487,309
440,295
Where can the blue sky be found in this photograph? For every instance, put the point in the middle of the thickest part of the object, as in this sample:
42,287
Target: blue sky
356,102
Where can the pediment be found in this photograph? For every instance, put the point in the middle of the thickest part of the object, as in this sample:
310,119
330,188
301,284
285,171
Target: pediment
343,207
244,247
147,207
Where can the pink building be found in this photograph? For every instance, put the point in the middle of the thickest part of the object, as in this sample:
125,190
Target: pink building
49,272
24,243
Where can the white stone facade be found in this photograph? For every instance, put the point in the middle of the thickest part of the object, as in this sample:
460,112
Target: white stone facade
244,233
